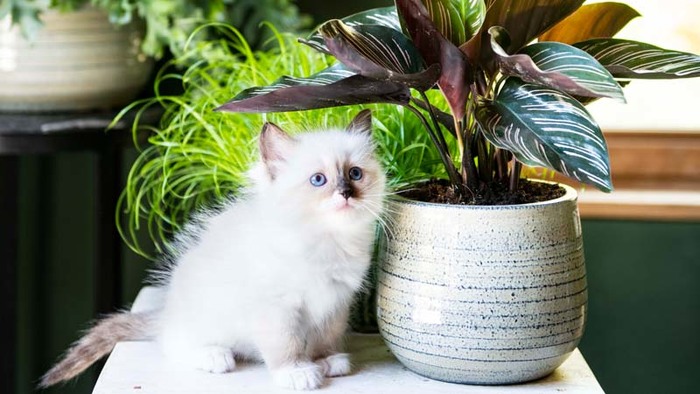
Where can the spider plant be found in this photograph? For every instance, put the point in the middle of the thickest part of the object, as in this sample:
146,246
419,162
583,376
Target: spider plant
197,157
515,75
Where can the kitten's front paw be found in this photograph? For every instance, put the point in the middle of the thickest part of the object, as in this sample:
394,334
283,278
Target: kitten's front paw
335,365
300,376
214,359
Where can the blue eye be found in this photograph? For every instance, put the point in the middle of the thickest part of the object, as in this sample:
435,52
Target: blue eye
318,179
355,173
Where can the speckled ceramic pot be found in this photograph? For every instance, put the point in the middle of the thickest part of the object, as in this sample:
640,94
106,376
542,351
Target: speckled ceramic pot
78,61
483,294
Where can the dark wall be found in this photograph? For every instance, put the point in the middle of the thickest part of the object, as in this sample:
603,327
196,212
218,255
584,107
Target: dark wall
644,303
57,257
322,10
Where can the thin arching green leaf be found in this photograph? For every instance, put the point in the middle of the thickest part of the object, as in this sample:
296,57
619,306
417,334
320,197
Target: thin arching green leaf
638,60
598,20
384,16
555,65
547,128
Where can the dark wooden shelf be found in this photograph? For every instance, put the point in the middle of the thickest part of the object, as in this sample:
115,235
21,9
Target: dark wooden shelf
45,133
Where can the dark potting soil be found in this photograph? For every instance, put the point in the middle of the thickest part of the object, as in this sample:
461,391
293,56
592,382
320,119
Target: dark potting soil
439,191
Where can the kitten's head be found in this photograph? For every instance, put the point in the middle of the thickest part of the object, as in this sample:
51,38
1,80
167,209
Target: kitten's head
330,176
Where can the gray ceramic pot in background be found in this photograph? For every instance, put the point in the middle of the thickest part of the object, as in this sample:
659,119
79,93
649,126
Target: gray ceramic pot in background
79,61
483,294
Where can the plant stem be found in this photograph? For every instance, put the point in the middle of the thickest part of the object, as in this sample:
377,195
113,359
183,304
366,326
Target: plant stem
444,154
486,159
468,165
436,124
469,170
501,165
443,118
515,175
462,148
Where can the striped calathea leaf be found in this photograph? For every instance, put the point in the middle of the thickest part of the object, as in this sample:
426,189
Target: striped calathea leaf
473,13
447,18
333,87
436,49
638,60
456,20
555,65
379,52
546,128
384,16
524,19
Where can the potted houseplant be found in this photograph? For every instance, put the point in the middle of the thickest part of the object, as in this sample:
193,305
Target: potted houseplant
93,54
470,291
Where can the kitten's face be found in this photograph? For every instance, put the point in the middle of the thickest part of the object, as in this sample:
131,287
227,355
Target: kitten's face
329,176
334,174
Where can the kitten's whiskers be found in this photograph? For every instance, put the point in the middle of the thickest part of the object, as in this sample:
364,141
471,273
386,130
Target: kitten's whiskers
374,209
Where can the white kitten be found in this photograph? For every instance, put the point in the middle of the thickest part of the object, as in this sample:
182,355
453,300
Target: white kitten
270,276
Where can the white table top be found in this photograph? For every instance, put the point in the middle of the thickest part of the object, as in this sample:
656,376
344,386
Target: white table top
138,367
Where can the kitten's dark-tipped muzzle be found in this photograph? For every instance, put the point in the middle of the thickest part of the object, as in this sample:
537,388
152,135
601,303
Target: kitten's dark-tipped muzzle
345,189
346,192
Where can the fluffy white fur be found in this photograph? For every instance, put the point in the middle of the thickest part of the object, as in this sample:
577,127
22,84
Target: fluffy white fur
270,276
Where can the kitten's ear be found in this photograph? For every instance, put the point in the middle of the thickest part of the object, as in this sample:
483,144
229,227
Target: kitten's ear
362,123
275,145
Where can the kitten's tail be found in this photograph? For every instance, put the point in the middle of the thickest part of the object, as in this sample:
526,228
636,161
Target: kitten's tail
98,342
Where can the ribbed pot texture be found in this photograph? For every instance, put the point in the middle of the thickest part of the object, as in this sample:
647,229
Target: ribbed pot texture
79,61
483,294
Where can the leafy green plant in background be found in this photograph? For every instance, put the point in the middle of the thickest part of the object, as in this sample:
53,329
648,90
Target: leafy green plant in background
514,73
169,23
197,156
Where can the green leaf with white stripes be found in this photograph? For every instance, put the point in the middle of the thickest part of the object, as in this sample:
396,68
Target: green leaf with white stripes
383,46
473,13
547,128
335,86
638,60
384,16
379,52
525,20
556,65
447,19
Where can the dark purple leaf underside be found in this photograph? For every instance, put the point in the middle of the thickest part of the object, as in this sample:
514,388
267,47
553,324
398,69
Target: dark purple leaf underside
556,65
353,90
525,20
436,49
